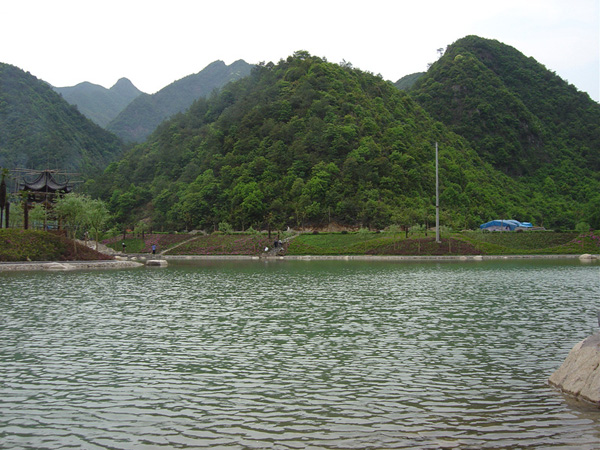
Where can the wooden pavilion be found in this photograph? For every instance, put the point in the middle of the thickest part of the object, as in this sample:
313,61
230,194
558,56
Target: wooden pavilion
44,187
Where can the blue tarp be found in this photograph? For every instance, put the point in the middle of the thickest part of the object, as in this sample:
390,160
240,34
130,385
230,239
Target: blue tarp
507,225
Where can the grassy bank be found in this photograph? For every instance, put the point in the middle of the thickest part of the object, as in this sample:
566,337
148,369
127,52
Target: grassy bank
467,243
367,243
536,243
21,245
31,245
186,244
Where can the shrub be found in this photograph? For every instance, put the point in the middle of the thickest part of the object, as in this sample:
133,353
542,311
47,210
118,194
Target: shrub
225,228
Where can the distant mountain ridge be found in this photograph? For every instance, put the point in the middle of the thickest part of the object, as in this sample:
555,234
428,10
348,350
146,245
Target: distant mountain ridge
39,129
141,117
97,103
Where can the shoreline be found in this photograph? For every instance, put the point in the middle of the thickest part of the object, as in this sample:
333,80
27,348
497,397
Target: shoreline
66,265
140,260
585,257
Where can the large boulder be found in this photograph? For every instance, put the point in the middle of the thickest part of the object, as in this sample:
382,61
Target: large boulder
579,375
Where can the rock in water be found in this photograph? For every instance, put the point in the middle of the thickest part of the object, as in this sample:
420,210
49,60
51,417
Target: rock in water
157,263
579,375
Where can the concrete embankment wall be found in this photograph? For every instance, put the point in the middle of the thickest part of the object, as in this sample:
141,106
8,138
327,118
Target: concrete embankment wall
71,265
583,258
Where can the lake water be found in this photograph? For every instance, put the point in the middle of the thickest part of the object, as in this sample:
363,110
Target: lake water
296,355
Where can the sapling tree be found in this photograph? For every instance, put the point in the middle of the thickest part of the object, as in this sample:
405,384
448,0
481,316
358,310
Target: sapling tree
97,217
71,209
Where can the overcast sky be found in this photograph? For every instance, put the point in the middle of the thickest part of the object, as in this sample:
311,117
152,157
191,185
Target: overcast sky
154,43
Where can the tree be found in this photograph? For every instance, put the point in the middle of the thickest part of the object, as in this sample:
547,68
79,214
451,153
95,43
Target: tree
38,214
405,217
71,209
97,216
248,204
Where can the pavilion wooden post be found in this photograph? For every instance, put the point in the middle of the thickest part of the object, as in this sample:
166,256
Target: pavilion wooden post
25,215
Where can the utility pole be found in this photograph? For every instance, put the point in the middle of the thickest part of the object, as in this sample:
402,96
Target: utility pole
437,197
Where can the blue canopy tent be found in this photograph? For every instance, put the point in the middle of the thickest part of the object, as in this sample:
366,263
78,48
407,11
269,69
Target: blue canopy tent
505,225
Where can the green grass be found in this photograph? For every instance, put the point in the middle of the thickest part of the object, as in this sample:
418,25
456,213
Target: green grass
377,244
371,243
132,245
538,243
163,241
224,244
468,243
213,244
334,243
32,245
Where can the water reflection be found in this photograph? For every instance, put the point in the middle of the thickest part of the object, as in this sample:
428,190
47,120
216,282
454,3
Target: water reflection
295,355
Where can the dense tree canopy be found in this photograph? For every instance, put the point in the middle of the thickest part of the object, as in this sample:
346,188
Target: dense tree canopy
39,129
523,119
305,142
517,114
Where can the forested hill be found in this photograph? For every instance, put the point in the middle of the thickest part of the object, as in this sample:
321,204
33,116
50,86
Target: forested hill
39,129
98,103
518,115
146,112
306,142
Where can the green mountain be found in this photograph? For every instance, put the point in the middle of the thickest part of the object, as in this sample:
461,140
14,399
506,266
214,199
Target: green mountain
524,120
97,103
145,113
306,142
39,129
518,115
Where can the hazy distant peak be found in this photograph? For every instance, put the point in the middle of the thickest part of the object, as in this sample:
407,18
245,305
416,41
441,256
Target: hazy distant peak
87,83
82,85
216,63
124,84
98,103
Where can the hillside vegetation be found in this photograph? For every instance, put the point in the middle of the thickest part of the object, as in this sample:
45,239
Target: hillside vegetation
307,143
39,129
303,142
524,120
521,116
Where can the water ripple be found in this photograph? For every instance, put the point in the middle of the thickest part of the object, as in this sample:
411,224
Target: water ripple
295,356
